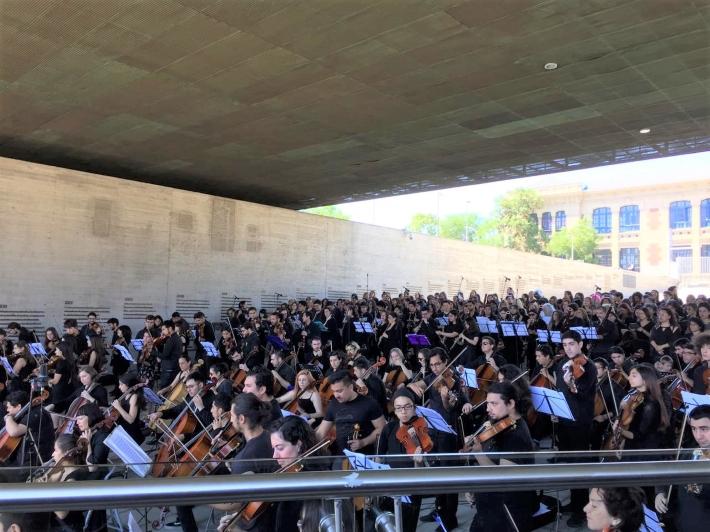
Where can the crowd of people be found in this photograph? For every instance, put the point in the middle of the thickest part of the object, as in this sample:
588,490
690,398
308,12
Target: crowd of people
352,375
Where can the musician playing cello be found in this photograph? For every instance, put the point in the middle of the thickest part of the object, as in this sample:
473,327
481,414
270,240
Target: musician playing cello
508,432
198,403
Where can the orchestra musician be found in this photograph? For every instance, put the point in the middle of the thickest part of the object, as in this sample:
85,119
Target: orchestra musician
204,332
282,371
260,382
494,511
700,375
574,435
23,334
34,427
90,389
336,362
248,416
185,368
368,383
23,366
307,399
606,403
172,348
198,402
691,503
77,342
488,355
130,407
220,384
62,363
51,339
615,509
350,409
390,443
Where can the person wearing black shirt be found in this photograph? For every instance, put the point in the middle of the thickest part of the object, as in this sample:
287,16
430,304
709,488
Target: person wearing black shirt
77,343
488,355
204,332
348,410
609,395
149,327
250,355
23,334
702,346
90,389
373,383
503,403
692,501
248,416
172,348
388,444
620,365
34,427
574,435
199,404
427,327
62,380
260,382
451,330
220,384
282,371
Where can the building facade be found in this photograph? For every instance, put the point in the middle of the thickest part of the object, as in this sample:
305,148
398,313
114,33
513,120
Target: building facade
659,230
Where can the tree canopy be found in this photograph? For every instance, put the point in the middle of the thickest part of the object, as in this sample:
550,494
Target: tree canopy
575,242
328,210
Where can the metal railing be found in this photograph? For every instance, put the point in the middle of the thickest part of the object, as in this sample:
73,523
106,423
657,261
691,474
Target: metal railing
141,493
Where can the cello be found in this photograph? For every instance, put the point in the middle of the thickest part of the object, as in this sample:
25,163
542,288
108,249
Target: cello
8,444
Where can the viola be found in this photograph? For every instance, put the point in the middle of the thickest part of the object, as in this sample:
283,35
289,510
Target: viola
620,377
362,390
413,434
487,431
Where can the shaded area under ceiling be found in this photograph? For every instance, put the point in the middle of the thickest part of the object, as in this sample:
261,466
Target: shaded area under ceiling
304,103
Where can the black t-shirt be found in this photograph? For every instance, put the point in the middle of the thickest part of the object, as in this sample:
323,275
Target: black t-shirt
253,458
581,403
361,411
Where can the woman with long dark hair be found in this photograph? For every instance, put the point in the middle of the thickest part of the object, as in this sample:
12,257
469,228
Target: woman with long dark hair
615,509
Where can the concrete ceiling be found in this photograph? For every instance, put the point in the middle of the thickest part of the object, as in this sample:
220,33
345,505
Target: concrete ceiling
299,103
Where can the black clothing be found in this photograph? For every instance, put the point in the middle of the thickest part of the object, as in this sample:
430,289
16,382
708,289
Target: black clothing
612,395
63,391
697,376
645,426
224,388
611,338
135,429
663,335
376,391
275,412
499,360
208,336
99,451
287,373
362,411
204,416
522,505
40,432
154,332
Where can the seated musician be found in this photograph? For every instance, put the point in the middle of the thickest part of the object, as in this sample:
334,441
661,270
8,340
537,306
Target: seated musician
308,399
91,390
70,454
198,402
220,384
249,356
691,502
372,383
350,409
488,355
260,382
702,346
611,396
620,363
248,416
397,366
615,509
389,444
185,369
89,422
34,427
503,405
291,437
336,362
130,406
545,363
282,371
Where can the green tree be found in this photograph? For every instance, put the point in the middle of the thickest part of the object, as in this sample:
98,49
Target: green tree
426,224
513,223
575,242
462,226
487,233
332,211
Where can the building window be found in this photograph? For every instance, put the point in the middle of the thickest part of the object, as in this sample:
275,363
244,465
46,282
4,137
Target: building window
705,259
560,220
680,214
533,219
629,218
601,220
705,213
683,258
630,259
602,257
547,223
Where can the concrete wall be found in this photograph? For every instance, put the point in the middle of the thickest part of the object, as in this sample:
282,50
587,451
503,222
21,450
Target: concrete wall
74,242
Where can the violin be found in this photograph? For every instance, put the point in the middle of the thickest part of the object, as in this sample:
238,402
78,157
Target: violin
620,377
362,389
413,434
628,410
575,367
486,432
52,471
706,379
111,415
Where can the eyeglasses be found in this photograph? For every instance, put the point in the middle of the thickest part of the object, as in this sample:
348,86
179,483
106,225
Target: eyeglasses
403,408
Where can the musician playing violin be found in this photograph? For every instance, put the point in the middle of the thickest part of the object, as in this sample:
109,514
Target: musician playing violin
691,502
260,382
502,403
282,371
579,392
204,332
372,383
130,407
607,401
172,348
308,400
701,373
37,422
389,444
220,384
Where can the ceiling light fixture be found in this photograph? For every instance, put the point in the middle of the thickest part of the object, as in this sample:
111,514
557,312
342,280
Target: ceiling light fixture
550,66
645,130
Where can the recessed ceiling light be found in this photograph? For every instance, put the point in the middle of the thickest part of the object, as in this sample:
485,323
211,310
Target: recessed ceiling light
645,130
550,66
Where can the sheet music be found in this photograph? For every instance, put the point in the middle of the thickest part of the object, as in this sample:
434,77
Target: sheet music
468,377
360,462
137,344
152,397
124,353
543,336
551,402
651,521
128,451
37,349
210,349
691,400
7,366
434,420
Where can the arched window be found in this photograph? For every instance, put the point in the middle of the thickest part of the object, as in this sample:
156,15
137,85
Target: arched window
680,214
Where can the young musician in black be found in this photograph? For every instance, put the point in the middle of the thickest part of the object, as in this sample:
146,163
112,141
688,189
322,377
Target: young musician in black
509,510
606,403
198,401
348,410
34,426
170,355
260,382
577,380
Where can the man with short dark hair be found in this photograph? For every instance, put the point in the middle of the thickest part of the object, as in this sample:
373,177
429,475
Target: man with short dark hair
170,355
260,382
149,327
358,420
34,426
76,341
24,334
204,332
199,403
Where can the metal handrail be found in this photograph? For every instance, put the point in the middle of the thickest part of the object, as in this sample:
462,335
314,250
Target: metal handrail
342,484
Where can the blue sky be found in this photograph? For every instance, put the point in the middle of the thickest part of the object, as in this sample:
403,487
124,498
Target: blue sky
396,211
